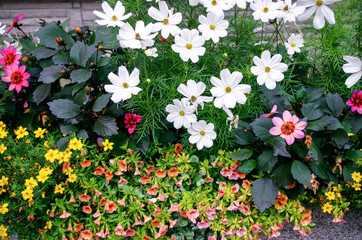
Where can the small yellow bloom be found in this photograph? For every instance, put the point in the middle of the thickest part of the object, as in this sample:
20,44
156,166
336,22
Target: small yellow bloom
31,183
68,171
46,144
31,202
39,133
357,186
27,193
3,232
21,132
42,178
330,195
2,148
4,208
3,133
72,178
107,145
3,181
75,144
2,125
13,194
356,176
48,225
327,207
350,134
59,188
52,155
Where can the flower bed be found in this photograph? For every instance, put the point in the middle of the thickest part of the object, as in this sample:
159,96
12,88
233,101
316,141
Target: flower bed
195,123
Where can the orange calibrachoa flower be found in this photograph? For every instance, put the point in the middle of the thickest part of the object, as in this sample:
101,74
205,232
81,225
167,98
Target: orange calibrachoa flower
122,165
150,169
156,223
110,207
87,209
78,227
86,234
103,202
84,197
160,174
178,148
109,175
145,179
99,171
85,163
281,201
307,217
173,172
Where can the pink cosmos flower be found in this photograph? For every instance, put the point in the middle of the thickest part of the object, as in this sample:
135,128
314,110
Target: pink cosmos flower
356,102
131,121
204,224
17,76
15,21
273,111
288,128
9,57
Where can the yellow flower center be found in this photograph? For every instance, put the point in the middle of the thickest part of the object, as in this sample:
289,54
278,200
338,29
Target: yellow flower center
212,27
138,37
202,133
267,69
125,85
189,46
266,9
228,89
165,21
193,98
182,112
288,128
286,8
213,2
114,18
293,44
319,2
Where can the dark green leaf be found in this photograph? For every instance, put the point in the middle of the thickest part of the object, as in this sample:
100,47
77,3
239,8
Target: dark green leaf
76,87
311,111
317,125
101,102
340,138
43,52
282,175
105,126
356,123
104,62
82,134
334,123
347,172
335,103
266,160
81,98
313,94
279,145
26,120
27,45
48,34
315,153
50,74
247,166
80,54
143,143
167,137
241,155
264,193
261,127
115,110
63,143
354,154
64,108
107,37
41,92
319,170
244,137
61,58
301,173
68,129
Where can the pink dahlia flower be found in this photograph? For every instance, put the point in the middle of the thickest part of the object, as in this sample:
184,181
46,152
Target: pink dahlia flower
9,57
17,76
131,121
15,21
288,128
356,102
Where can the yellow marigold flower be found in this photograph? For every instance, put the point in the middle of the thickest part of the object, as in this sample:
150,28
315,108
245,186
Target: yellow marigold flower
3,231
2,190
327,207
27,193
330,195
64,157
52,155
2,125
72,178
2,148
59,188
68,171
48,225
3,133
39,133
75,144
42,178
3,181
357,186
9,157
356,176
4,208
31,183
107,145
13,194
350,134
31,202
21,132
46,144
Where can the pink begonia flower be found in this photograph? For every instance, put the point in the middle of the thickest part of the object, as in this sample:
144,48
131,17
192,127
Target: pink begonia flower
204,224
17,76
288,128
9,57
356,102
131,121
241,232
273,111
15,21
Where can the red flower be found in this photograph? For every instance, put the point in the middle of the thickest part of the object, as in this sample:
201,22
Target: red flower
17,76
131,121
9,57
356,102
15,21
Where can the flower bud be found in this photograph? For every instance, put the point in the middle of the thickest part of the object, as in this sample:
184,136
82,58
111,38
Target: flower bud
87,90
63,71
25,59
101,48
59,41
79,31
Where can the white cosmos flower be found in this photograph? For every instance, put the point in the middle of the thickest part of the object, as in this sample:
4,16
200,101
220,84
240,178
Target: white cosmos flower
152,0
189,45
194,2
294,43
234,119
266,10
269,69
240,3
319,7
124,85
2,29
140,37
180,114
151,52
291,11
354,66
228,91
213,26
112,18
217,5
192,91
202,134
166,20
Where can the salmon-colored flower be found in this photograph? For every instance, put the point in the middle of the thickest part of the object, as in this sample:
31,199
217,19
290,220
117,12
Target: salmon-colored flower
87,209
241,232
211,214
241,175
178,148
98,221
122,202
101,234
96,214
192,215
17,77
86,234
9,57
339,220
226,172
122,165
174,207
110,207
255,227
173,172
122,181
246,184
65,214
355,102
208,179
150,169
119,231
78,227
99,171
308,141
103,202
84,197
109,175
130,232
152,191
157,212
307,217
156,223
85,163
281,200
70,229
160,174
173,223
204,224
234,189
